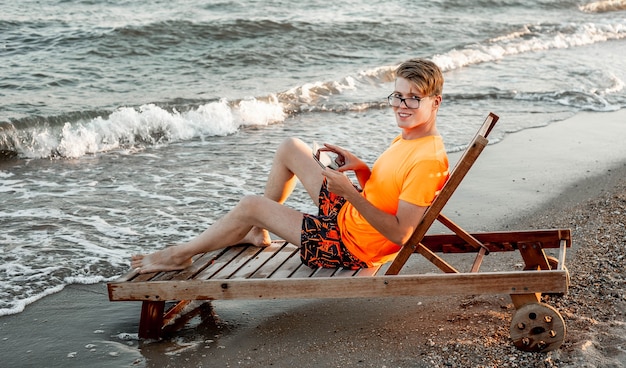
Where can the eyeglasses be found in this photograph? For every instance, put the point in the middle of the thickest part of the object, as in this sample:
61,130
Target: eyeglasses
410,102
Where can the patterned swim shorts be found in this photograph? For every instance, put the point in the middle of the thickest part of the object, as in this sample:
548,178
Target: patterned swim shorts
320,236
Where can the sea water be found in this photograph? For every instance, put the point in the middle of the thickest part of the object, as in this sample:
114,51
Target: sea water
129,125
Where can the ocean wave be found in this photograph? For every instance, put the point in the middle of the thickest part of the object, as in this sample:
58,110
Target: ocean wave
581,100
531,38
136,127
228,42
15,305
497,4
604,6
326,96
79,133
584,100
28,36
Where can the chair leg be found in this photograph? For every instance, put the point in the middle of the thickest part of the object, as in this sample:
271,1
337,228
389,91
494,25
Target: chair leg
534,259
435,259
151,321
534,256
479,259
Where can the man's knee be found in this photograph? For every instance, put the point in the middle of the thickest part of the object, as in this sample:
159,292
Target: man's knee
289,144
251,205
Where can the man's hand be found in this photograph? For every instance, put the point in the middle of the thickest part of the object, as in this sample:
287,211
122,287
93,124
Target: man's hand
349,162
339,183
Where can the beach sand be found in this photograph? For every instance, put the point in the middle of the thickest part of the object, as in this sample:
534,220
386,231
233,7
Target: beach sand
570,174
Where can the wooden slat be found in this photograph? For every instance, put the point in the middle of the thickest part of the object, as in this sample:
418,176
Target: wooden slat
200,262
248,253
324,272
434,259
146,276
220,262
276,262
562,250
518,282
175,311
177,317
488,125
369,271
383,268
345,272
467,237
260,259
287,268
478,260
127,276
302,270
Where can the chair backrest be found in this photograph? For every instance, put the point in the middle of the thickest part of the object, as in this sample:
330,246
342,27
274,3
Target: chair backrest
473,150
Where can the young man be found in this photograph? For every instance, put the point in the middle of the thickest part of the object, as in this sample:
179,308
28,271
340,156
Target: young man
353,228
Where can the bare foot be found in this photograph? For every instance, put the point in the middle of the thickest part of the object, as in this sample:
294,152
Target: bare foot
162,260
257,236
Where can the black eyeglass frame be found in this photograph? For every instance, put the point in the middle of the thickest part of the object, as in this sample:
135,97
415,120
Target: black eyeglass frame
393,96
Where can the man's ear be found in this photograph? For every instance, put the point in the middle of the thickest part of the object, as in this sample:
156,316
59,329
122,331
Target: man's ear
437,101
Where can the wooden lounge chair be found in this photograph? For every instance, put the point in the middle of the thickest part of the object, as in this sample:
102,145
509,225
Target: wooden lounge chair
275,272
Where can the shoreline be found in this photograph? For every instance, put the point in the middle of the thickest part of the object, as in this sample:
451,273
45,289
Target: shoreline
529,168
569,174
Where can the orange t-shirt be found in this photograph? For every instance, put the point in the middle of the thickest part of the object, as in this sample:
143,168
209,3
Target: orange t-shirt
410,170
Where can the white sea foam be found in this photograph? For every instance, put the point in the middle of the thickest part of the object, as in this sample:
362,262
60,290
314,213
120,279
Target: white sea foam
150,124
618,85
127,336
18,305
604,6
129,188
530,39
255,112
88,280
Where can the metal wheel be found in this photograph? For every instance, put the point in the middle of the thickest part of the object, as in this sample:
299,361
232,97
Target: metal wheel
537,327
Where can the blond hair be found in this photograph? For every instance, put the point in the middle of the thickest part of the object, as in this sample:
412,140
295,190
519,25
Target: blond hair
425,74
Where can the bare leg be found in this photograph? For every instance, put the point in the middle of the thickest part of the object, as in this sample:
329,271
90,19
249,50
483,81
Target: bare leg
231,229
292,161
251,219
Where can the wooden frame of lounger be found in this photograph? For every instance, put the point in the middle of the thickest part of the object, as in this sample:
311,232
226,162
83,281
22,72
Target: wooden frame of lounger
275,272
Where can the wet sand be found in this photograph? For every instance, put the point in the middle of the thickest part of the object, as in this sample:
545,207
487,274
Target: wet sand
570,174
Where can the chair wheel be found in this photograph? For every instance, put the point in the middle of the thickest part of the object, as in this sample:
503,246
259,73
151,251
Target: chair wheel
537,327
